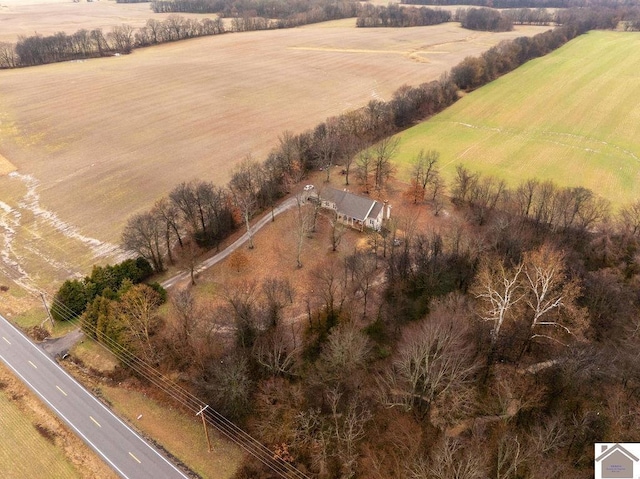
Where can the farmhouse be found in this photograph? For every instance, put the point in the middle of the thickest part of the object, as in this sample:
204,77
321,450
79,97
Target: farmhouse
353,210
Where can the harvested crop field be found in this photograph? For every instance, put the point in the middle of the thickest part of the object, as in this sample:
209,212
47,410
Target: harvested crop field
47,17
571,117
96,141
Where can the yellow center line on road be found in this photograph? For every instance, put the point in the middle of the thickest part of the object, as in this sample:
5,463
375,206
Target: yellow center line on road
59,389
7,341
131,454
33,364
97,423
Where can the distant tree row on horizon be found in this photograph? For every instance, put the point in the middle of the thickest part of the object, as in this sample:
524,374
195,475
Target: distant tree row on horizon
39,49
527,3
396,16
281,14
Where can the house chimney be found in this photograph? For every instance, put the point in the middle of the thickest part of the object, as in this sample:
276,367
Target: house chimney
603,448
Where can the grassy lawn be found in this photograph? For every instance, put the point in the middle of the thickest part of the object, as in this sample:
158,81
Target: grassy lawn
94,356
180,434
570,117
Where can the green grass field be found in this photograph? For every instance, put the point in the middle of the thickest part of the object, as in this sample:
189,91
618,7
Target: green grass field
571,117
23,451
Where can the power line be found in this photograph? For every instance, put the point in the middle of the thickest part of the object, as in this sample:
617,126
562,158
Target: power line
188,400
182,396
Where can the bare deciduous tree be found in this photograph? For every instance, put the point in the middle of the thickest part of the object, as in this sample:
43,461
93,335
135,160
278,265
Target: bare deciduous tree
630,218
244,185
137,311
242,299
382,153
463,184
277,292
364,170
188,257
304,224
423,172
170,213
187,318
338,229
276,352
349,429
498,288
549,292
143,235
329,286
347,349
437,193
433,359
363,269
229,385
449,461
121,37
509,456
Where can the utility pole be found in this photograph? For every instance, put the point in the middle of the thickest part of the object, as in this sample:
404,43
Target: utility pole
46,308
204,424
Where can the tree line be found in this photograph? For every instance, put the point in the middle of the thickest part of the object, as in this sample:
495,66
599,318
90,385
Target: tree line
607,16
526,3
230,8
396,16
39,49
529,16
264,14
484,19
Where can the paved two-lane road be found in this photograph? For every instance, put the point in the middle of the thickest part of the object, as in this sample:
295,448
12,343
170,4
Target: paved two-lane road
120,447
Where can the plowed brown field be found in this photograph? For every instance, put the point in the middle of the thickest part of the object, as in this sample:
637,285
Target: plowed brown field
95,141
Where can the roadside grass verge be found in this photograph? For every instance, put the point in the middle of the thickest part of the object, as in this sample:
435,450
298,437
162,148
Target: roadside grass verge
181,435
178,433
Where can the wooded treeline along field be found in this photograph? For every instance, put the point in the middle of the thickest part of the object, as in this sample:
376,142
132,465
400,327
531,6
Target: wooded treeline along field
503,343
122,39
